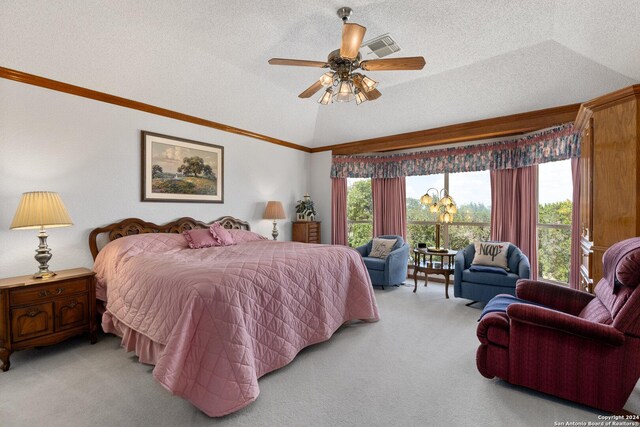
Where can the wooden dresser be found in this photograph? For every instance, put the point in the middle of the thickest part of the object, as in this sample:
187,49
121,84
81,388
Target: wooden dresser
39,312
306,231
609,177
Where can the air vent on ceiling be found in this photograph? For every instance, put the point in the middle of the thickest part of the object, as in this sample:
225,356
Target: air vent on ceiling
379,47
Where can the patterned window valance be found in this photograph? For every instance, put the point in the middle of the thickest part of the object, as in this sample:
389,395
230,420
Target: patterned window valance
549,145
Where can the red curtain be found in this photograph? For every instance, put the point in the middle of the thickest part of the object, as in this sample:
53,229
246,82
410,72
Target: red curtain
574,272
339,211
389,206
514,210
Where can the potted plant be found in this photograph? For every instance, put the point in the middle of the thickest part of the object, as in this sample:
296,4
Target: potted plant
305,211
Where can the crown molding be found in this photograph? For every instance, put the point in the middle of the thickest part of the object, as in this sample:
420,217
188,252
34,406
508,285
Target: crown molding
31,79
496,127
605,101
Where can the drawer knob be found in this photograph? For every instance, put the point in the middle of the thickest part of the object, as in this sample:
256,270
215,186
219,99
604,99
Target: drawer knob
47,293
72,304
33,312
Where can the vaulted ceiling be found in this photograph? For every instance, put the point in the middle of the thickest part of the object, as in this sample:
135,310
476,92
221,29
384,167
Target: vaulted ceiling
209,58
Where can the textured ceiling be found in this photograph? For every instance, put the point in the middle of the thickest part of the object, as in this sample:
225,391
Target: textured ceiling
209,59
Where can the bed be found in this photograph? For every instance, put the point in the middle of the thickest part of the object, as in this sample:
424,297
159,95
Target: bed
214,320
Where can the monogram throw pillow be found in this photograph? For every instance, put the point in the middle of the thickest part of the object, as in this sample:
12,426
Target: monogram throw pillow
493,254
381,248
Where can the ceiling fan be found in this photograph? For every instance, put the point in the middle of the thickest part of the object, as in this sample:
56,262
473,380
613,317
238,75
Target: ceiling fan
342,83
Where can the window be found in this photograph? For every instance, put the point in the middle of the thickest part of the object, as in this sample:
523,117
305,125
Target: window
555,191
421,222
359,211
472,194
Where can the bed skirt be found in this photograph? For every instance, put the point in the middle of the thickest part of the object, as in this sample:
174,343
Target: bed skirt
147,350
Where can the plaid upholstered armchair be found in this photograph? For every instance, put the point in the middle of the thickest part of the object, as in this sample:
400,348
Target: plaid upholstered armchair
580,347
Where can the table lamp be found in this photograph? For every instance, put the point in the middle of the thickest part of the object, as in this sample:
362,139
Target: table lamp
442,204
274,211
40,209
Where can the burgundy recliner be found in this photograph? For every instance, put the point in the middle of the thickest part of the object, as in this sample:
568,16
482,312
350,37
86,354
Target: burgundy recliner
584,348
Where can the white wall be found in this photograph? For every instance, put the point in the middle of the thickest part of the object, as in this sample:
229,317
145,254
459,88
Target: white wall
89,152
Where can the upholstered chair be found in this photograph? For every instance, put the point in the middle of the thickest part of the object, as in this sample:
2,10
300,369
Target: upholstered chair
482,286
389,271
578,346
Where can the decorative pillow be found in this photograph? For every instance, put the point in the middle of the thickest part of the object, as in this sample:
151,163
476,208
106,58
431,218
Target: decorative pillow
201,238
381,248
493,254
243,236
222,233
487,269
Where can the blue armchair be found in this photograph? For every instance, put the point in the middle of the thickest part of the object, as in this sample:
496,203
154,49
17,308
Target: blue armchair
482,286
391,270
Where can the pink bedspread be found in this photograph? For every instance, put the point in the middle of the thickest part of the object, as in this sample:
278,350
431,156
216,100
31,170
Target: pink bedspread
225,316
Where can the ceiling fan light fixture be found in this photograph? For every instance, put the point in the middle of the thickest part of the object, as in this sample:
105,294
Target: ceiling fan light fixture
345,92
360,97
368,84
327,79
326,97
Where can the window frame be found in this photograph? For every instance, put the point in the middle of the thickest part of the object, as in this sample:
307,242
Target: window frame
540,225
444,228
358,221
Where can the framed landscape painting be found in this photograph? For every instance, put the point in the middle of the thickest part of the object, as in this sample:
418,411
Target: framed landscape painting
181,170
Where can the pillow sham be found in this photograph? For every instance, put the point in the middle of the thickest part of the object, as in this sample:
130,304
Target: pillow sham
201,238
243,236
381,248
493,254
222,233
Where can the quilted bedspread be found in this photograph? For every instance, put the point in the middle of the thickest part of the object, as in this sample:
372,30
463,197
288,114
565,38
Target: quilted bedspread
228,315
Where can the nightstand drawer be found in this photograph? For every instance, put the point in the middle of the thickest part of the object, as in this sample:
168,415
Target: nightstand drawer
33,321
71,312
47,292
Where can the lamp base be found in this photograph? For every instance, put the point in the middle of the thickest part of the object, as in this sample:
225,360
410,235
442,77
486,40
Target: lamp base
434,249
43,274
43,255
274,232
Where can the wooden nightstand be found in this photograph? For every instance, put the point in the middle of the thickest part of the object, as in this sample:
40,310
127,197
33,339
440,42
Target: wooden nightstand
306,231
39,312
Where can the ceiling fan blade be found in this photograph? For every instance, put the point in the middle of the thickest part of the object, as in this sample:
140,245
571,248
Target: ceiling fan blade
298,62
311,90
408,63
373,94
352,35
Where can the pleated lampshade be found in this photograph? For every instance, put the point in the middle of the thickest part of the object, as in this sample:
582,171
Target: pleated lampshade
40,209
274,210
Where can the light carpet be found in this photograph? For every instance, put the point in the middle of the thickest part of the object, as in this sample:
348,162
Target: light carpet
416,367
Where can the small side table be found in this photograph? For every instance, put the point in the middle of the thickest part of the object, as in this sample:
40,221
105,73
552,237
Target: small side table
39,312
423,261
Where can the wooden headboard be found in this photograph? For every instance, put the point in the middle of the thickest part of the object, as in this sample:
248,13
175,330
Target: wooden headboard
131,226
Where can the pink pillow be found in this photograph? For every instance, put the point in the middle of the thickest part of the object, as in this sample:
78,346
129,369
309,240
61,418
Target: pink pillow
222,234
243,236
201,238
